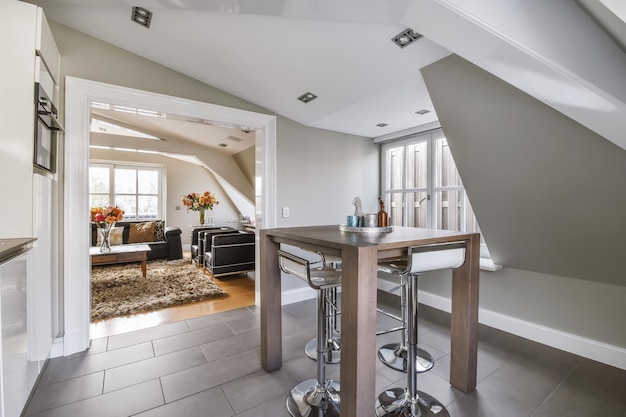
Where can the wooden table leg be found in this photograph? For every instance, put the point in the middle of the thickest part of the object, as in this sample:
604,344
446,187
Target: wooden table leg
358,331
271,311
143,266
464,326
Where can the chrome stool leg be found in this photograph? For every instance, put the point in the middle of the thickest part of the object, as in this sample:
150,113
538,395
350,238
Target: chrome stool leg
394,355
409,402
316,397
333,341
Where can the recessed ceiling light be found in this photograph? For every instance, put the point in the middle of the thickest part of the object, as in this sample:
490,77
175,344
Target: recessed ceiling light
382,124
223,145
423,111
406,37
141,16
307,97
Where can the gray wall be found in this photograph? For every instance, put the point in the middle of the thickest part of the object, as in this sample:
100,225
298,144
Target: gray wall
549,197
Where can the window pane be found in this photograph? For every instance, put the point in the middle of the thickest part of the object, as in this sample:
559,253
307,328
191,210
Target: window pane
98,180
416,161
449,210
148,207
394,209
128,204
417,209
96,200
395,168
125,181
148,182
447,174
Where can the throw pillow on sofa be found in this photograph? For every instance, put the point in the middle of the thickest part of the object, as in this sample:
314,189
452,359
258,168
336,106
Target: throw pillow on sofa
116,236
141,232
159,231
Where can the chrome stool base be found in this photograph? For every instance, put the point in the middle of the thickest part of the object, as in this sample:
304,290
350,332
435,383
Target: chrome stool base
396,402
333,349
394,356
309,399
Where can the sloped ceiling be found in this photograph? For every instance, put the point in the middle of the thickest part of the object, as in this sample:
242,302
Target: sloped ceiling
552,50
547,192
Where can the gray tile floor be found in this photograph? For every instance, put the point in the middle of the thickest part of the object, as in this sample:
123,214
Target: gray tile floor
210,367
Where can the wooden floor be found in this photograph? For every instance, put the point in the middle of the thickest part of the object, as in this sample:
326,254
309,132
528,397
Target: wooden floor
240,289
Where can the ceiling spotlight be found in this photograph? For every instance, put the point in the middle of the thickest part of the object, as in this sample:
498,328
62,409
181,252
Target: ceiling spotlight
423,111
382,124
307,97
141,16
406,37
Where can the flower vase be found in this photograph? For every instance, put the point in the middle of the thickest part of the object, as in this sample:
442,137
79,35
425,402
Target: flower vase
105,237
201,216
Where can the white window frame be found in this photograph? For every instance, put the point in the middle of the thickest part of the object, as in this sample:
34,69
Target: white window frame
161,210
431,188
430,137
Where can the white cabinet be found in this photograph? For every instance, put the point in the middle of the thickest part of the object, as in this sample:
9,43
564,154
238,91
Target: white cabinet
19,372
23,31
18,30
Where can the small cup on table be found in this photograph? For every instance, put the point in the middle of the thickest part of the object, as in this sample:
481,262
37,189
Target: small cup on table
353,221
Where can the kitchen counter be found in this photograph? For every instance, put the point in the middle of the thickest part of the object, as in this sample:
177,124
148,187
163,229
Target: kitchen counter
10,248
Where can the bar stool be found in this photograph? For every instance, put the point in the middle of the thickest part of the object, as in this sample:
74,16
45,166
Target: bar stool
333,339
394,355
409,402
317,397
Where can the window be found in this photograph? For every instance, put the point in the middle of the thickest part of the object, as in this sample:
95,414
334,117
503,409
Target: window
136,189
421,185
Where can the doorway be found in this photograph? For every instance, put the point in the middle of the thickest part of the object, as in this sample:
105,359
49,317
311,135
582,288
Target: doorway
75,314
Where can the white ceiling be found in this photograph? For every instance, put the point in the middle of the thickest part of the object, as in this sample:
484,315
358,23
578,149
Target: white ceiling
269,52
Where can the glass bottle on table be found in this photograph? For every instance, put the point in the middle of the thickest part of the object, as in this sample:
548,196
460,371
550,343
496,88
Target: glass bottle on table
383,217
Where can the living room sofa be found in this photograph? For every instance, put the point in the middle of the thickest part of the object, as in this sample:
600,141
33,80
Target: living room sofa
164,242
229,253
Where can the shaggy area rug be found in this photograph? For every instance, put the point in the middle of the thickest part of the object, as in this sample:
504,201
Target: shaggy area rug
119,290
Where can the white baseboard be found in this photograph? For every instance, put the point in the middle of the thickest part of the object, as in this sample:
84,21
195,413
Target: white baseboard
57,348
299,294
588,348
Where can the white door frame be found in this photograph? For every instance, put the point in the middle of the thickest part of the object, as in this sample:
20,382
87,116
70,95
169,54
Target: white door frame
79,94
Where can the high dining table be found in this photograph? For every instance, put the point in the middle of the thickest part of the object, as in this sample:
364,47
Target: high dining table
360,253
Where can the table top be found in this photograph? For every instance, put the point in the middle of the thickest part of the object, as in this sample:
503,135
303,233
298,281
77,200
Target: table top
401,237
115,249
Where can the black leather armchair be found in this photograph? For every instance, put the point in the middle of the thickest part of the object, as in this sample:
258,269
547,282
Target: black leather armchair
197,241
230,253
